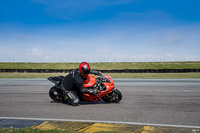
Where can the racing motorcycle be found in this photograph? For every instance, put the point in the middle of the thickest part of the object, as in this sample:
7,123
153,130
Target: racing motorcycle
105,85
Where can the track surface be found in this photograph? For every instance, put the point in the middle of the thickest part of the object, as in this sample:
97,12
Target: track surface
172,102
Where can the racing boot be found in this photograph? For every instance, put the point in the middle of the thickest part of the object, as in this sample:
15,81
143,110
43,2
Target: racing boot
70,96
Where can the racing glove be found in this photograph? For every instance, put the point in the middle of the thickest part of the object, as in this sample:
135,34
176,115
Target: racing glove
96,72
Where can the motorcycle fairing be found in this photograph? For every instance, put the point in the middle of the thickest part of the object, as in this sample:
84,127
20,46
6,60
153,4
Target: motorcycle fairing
55,80
109,88
96,97
91,80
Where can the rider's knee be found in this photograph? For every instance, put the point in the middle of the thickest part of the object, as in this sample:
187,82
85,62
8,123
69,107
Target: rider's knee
73,98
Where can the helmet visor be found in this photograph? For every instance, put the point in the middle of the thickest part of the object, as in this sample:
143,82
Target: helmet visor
86,71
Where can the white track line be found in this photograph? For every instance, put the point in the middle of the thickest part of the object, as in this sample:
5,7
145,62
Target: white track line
114,122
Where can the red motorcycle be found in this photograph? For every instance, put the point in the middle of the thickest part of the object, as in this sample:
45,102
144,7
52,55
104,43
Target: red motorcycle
105,85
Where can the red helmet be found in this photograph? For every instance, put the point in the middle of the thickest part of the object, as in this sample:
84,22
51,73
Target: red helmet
84,69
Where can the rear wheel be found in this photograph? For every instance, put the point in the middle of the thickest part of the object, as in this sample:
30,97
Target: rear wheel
114,97
56,94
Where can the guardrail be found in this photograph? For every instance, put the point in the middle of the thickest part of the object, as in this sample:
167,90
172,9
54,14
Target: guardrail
103,71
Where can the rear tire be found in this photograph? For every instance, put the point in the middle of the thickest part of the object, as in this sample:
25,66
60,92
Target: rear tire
56,94
114,97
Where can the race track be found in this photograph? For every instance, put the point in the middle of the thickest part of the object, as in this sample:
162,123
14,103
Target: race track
170,102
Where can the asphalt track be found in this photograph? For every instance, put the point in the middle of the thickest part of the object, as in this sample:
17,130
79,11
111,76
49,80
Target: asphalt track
166,102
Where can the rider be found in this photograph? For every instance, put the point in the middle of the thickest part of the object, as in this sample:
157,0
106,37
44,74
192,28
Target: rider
74,82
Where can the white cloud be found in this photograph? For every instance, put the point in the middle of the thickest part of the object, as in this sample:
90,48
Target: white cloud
145,58
68,9
105,54
6,52
36,52
173,37
190,58
79,4
42,55
169,55
99,55
175,44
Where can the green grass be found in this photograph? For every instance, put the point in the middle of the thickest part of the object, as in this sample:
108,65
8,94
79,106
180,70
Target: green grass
156,75
106,66
31,130
113,75
103,65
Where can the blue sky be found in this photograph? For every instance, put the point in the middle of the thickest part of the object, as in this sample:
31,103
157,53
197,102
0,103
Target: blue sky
99,30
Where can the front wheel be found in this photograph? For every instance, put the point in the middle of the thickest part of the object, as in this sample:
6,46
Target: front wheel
56,94
114,97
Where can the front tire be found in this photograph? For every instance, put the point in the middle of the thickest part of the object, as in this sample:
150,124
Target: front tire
56,94
114,97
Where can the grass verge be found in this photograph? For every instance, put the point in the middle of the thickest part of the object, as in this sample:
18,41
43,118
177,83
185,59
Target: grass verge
31,130
113,75
104,65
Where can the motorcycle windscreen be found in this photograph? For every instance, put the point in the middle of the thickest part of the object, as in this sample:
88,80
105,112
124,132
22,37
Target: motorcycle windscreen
91,80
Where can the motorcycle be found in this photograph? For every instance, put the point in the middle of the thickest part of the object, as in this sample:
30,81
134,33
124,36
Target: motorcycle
104,84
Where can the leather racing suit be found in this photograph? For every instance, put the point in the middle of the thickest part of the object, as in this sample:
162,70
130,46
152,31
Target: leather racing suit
73,82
